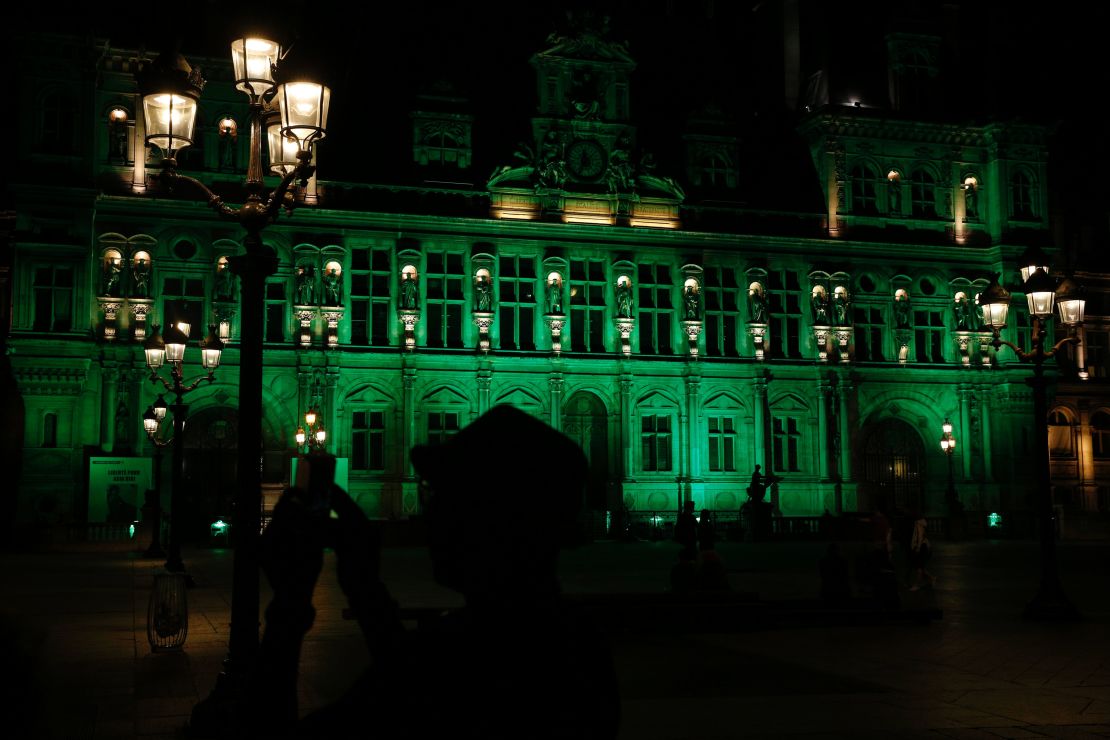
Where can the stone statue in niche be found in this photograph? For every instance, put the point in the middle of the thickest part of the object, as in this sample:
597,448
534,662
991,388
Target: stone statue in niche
332,288
410,296
554,297
306,290
964,315
757,306
584,97
225,283
140,278
841,303
111,277
819,302
901,312
971,206
691,301
894,193
483,297
624,300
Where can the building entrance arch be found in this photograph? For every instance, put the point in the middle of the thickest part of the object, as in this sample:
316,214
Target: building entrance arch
893,459
211,464
586,421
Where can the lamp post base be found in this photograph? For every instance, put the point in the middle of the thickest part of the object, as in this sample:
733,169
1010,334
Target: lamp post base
1051,605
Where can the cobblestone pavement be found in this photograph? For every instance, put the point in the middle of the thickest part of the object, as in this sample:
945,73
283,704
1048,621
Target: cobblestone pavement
76,629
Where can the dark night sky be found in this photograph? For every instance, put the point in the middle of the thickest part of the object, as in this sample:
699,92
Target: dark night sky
1043,63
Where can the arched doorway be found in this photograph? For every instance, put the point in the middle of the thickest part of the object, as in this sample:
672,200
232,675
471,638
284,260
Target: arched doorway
587,423
893,458
210,476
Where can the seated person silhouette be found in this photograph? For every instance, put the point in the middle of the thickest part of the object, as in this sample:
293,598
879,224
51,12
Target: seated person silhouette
512,663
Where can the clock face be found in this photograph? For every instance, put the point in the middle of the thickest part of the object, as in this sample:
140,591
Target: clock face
585,159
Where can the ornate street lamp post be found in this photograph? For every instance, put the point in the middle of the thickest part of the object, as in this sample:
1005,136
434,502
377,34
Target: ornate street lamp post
314,437
948,446
152,422
160,350
170,87
1041,293
957,522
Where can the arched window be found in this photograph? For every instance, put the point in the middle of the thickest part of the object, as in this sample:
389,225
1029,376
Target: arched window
1022,192
1061,435
864,191
1100,434
923,191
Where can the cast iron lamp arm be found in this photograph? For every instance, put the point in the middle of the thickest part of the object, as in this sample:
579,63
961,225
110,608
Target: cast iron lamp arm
178,387
1038,351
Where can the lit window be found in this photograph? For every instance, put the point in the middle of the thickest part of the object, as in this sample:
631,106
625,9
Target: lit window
587,306
722,443
517,302
370,278
1100,434
655,309
1061,436
722,312
655,443
368,441
445,302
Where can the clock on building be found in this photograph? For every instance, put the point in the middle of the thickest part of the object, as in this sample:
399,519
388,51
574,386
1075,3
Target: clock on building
585,159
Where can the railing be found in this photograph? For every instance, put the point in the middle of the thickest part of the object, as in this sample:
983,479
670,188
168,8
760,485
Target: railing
98,531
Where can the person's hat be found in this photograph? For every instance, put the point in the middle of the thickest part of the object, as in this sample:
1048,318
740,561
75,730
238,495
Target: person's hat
509,452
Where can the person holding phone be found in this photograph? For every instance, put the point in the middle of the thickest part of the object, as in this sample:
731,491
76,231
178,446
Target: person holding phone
514,662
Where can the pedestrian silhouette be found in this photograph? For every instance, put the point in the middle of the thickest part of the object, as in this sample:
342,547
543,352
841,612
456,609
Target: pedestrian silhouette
686,531
513,662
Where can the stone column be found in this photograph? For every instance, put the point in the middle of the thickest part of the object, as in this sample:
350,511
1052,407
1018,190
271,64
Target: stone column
109,395
759,442
408,383
555,392
965,431
484,380
824,431
626,426
693,427
985,410
845,419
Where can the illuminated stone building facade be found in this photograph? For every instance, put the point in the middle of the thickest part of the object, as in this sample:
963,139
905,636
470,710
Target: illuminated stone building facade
680,331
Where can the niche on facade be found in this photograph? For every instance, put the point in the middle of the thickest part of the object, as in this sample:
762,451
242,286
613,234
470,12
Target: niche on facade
224,283
120,128
969,184
894,191
228,132
141,269
333,283
111,273
304,282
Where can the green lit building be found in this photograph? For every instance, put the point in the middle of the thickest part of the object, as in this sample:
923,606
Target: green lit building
671,313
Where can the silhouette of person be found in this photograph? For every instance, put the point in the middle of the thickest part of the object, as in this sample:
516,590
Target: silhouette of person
686,530
513,662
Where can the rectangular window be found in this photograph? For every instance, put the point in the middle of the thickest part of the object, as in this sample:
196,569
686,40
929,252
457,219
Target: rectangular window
784,309
655,437
183,300
928,334
722,443
786,440
587,306
722,312
1097,358
368,441
275,311
656,309
370,281
517,302
869,327
445,302
442,426
53,289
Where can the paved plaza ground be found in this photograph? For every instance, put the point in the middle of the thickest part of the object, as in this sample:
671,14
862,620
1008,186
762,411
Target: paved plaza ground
83,668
